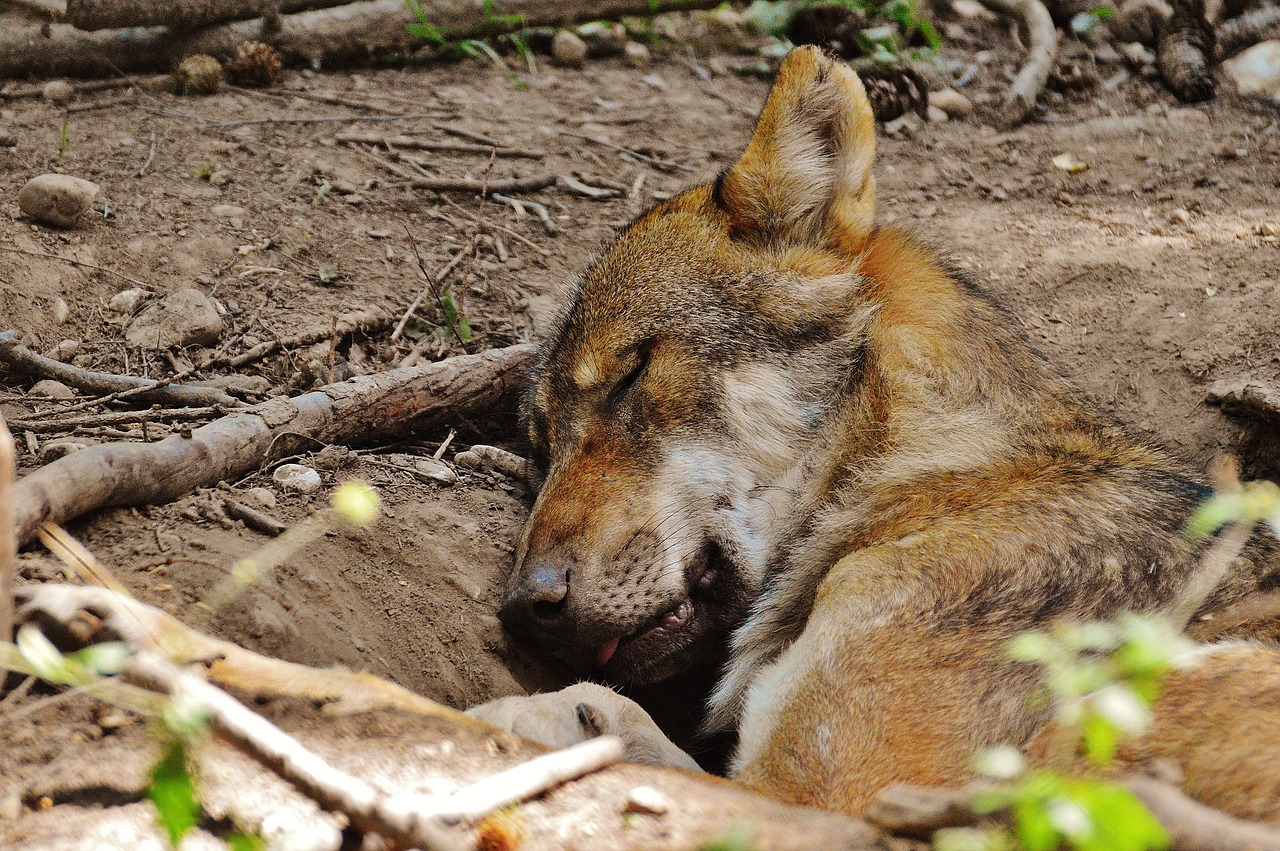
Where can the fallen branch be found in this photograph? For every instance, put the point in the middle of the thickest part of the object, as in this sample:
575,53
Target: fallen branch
323,38
1042,38
21,359
254,519
397,819
362,409
181,15
414,144
1247,30
45,425
444,744
364,321
919,811
467,184
1185,51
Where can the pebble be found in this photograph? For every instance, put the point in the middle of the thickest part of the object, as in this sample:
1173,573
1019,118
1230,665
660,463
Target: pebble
50,389
951,102
434,470
183,318
568,49
229,211
55,449
297,478
647,800
937,115
603,39
262,496
1257,70
636,54
127,301
60,310
57,91
64,351
57,199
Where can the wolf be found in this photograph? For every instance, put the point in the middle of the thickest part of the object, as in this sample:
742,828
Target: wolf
767,423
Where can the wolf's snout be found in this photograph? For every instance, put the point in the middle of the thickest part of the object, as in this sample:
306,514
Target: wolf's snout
538,601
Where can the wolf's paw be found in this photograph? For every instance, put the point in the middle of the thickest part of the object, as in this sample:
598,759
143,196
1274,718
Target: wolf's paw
581,712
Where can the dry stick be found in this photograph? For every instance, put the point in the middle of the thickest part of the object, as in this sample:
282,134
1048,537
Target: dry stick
363,321
61,424
466,184
75,262
1248,29
254,519
656,162
151,156
326,119
332,788
413,144
433,283
366,408
15,92
8,541
1042,37
18,357
918,811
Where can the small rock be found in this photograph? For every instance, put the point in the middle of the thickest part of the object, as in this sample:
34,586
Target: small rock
57,199
646,800
60,311
1187,115
951,102
435,471
184,318
221,177
1257,70
603,39
229,211
1136,54
937,114
262,496
114,719
64,351
50,389
60,448
333,457
1180,216
906,126
127,301
636,54
57,91
568,49
355,199
297,478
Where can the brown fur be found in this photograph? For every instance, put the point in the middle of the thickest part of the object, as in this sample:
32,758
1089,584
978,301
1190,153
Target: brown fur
804,435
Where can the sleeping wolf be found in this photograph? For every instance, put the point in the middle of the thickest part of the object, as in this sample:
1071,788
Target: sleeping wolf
767,419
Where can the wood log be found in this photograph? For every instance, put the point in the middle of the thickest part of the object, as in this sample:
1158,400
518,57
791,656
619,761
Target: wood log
363,409
321,38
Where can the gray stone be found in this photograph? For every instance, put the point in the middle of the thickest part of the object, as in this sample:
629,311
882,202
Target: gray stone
568,49
50,389
183,318
57,91
297,478
57,199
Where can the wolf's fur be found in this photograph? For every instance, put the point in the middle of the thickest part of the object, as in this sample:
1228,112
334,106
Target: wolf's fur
812,433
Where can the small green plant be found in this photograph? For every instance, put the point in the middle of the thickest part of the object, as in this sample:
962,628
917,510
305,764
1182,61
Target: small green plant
423,28
457,321
481,49
1084,23
204,172
327,273
65,144
322,192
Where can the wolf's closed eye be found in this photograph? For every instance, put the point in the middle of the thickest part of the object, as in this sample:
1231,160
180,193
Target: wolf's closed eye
620,390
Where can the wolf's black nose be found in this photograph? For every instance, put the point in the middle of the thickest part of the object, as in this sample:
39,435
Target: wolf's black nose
539,600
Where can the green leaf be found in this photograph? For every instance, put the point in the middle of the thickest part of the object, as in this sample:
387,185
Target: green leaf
1033,827
107,658
244,842
1032,647
1100,737
174,793
46,661
1123,823
1214,513
770,18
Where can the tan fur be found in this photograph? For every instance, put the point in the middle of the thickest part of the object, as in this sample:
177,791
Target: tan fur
886,482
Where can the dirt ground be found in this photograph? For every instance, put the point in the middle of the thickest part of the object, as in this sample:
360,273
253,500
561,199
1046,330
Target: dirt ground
1147,279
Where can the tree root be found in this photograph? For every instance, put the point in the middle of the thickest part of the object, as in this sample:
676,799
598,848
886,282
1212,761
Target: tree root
1042,36
362,409
1247,30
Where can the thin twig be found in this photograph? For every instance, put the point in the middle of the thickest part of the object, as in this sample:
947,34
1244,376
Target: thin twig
254,519
22,359
60,424
631,152
75,262
397,819
8,534
433,282
411,143
142,172
466,184
317,120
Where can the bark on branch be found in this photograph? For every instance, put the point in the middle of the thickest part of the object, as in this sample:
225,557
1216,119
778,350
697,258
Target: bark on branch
347,33
364,408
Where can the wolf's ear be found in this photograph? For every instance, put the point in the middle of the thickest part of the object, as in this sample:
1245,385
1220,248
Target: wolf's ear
806,173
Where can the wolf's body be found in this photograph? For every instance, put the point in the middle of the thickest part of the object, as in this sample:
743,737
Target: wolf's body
762,416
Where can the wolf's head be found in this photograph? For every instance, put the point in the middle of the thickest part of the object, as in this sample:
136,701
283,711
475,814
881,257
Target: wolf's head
699,361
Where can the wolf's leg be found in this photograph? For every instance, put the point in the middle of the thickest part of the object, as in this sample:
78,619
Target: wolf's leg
579,712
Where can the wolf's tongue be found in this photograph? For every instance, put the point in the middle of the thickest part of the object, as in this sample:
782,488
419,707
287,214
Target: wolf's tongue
605,653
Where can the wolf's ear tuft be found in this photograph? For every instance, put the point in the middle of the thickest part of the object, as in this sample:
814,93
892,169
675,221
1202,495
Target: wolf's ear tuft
806,173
